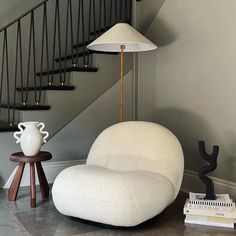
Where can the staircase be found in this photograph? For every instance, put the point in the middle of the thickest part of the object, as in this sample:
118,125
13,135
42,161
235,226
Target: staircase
44,52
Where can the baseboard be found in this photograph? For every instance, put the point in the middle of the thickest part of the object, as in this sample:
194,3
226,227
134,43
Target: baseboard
192,183
51,169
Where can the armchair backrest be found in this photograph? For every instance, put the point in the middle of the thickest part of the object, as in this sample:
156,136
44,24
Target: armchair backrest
138,145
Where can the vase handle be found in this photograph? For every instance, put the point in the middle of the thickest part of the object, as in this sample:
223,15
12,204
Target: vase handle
20,126
43,132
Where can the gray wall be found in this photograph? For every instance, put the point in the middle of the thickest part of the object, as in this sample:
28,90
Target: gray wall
92,84
67,106
9,10
189,83
75,139
146,13
14,8
88,86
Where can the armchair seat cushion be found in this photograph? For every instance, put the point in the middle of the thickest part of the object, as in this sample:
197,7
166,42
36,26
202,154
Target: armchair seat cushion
119,198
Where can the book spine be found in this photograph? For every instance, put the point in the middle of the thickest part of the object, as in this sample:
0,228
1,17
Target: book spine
191,211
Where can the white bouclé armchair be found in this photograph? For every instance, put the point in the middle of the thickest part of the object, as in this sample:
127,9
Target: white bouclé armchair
133,172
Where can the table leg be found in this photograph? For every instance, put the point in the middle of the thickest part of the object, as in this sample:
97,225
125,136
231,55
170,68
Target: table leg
43,181
32,185
14,188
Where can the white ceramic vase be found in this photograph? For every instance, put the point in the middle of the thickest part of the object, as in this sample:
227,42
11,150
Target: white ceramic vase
31,138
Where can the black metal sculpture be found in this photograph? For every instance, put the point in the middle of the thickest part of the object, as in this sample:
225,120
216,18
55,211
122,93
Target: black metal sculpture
212,159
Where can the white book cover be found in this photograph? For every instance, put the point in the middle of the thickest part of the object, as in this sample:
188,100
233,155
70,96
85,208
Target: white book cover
225,225
208,207
205,212
223,200
210,219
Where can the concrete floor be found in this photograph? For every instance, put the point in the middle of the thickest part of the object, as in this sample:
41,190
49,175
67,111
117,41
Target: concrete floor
17,218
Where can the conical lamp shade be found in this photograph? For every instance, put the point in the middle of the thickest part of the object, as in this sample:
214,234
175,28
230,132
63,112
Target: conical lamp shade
122,34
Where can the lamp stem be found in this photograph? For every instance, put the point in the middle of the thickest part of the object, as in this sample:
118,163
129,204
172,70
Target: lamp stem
122,47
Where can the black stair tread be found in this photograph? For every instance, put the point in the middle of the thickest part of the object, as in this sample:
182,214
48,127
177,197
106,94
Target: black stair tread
108,27
69,69
28,107
48,87
81,44
5,127
81,54
101,30
86,43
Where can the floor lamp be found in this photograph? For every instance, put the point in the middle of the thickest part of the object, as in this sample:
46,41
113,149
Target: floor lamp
122,38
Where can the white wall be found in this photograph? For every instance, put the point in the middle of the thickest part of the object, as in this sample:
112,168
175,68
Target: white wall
189,83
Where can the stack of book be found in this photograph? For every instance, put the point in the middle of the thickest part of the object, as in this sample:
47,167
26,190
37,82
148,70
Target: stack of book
220,212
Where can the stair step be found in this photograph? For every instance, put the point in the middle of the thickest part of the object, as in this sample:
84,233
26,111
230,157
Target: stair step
5,127
28,107
101,30
86,43
108,27
69,69
48,87
81,54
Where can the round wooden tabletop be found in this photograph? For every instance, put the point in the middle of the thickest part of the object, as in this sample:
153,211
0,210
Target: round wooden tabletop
20,157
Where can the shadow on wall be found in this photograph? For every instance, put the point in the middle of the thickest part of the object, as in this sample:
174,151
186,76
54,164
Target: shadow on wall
160,33
229,150
189,128
147,84
1,181
146,12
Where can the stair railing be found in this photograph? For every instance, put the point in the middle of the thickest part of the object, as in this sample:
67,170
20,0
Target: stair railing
47,41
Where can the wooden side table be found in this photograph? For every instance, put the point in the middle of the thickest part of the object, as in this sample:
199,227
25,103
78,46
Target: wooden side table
20,158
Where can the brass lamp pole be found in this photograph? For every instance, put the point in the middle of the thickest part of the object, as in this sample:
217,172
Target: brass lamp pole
122,47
